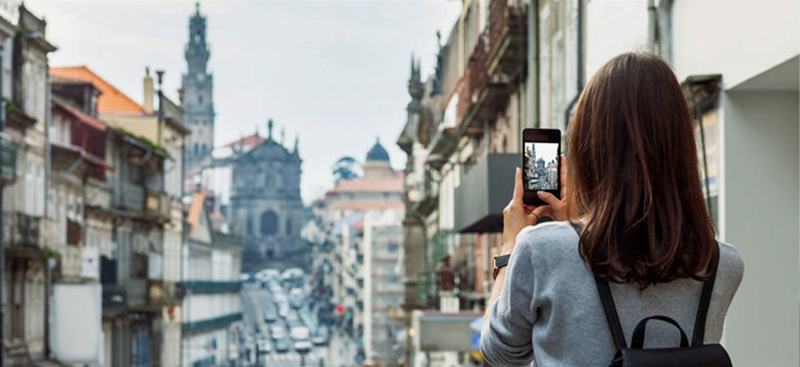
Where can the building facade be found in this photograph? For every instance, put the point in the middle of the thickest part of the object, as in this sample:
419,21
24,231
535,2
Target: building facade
266,207
197,99
212,310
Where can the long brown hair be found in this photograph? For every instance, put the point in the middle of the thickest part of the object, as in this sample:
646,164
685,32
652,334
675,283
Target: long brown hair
634,174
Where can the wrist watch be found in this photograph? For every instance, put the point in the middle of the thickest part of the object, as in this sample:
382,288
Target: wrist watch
499,263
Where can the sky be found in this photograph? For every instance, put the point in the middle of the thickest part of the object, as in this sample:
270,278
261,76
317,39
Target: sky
546,151
332,72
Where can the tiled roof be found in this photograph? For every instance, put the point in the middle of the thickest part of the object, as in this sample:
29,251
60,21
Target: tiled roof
198,200
111,100
248,141
372,185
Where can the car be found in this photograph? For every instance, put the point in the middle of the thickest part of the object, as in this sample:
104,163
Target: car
264,346
282,345
270,315
320,337
299,333
292,316
283,309
302,346
277,332
296,297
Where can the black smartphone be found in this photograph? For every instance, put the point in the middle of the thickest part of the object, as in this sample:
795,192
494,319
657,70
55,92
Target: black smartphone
541,163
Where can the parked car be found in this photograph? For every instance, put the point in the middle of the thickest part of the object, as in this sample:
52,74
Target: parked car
282,345
264,346
270,315
277,332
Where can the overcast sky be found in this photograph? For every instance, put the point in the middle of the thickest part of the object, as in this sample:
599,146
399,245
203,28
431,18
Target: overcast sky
332,72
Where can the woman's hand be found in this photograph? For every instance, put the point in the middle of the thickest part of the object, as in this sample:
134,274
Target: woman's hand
517,215
559,208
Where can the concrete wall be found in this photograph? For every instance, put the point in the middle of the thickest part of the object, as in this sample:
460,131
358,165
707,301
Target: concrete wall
760,217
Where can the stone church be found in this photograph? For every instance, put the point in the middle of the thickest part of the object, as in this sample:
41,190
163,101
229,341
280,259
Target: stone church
197,88
266,208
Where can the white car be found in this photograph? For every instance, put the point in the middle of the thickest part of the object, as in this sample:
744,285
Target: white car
264,346
302,346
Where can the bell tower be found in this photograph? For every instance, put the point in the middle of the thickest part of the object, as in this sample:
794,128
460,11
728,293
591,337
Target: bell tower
197,101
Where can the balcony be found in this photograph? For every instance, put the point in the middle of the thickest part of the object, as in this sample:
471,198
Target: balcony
21,229
508,39
201,286
8,160
430,195
360,282
132,196
159,206
484,192
211,324
17,119
114,299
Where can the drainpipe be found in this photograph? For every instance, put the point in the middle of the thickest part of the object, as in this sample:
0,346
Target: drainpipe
665,29
533,72
652,26
579,71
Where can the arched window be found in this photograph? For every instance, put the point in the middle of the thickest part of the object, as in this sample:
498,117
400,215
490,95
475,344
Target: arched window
288,226
196,149
249,226
200,100
269,223
204,148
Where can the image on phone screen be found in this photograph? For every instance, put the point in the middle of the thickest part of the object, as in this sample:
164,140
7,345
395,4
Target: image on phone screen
541,166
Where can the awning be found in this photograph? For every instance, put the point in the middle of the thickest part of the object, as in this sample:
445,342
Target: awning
483,193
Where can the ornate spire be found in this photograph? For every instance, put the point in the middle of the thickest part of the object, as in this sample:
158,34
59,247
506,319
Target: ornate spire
269,128
283,135
296,145
415,87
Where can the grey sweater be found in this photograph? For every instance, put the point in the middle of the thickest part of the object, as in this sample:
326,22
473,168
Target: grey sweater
549,310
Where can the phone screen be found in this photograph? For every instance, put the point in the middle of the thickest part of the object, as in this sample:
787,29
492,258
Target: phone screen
541,163
541,166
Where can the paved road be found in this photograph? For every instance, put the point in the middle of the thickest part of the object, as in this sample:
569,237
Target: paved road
254,303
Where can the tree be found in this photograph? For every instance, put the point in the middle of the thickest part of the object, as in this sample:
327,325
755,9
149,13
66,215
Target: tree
346,168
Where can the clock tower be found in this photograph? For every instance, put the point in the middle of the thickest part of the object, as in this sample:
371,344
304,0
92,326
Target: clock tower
197,101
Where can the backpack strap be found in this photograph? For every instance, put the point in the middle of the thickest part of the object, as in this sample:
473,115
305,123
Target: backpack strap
705,299
608,306
637,341
611,313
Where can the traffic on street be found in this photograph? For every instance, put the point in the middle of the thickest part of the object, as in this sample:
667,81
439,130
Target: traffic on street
282,324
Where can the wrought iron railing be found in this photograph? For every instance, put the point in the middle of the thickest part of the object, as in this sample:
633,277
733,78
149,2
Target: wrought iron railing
21,229
8,160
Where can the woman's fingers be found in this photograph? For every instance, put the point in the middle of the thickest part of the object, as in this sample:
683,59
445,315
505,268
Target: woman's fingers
538,213
519,189
548,198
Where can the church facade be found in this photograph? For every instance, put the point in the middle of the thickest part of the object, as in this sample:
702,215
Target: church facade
197,92
265,205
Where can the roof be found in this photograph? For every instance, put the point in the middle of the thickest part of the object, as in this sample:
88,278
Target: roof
377,153
86,119
248,141
198,200
394,184
111,99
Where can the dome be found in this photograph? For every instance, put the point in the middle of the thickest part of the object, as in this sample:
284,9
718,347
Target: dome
377,153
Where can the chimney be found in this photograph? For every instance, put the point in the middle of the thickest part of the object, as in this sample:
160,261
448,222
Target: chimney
148,91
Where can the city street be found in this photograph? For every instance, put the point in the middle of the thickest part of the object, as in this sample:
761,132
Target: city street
255,302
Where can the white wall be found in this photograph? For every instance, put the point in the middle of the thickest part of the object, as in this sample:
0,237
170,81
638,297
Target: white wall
204,306
738,39
760,214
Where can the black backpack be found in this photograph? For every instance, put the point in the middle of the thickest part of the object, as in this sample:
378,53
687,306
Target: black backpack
711,355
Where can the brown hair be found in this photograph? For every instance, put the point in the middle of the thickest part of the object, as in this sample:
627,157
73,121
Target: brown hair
634,174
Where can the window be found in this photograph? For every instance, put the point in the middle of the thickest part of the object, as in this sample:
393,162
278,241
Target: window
250,226
288,226
204,148
196,149
269,223
200,100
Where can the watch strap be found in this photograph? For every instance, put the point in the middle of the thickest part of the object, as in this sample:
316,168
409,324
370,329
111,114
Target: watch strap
499,262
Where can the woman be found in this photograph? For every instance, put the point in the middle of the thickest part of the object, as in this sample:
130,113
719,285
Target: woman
633,176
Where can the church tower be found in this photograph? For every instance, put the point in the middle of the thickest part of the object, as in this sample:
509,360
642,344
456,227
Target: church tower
197,85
